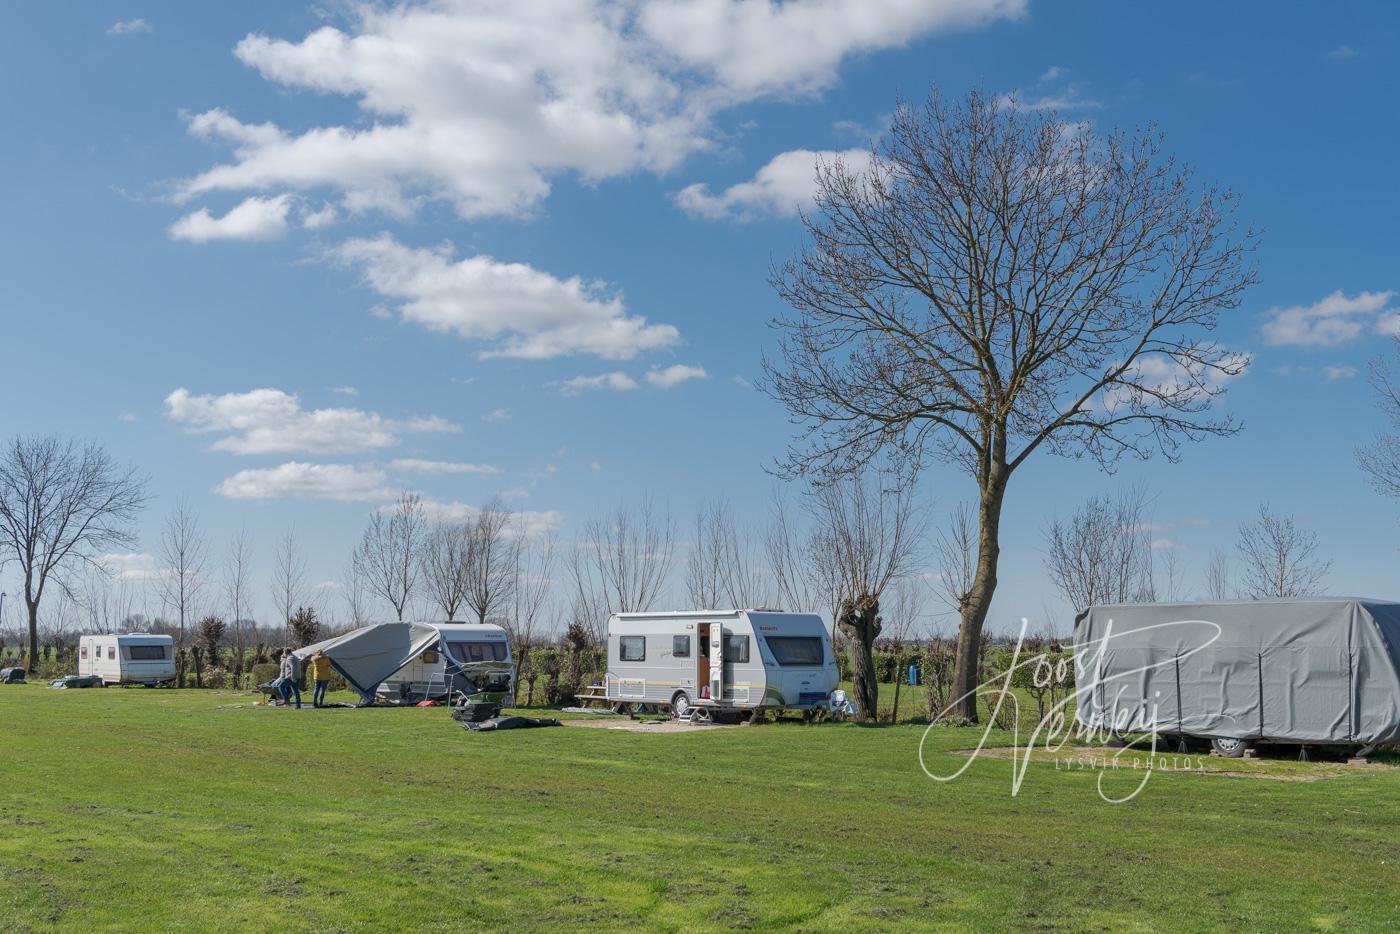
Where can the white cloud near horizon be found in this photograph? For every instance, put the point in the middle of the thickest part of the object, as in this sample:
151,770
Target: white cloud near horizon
270,421
616,381
129,27
1334,319
252,219
296,480
674,375
131,566
524,521
784,186
480,104
416,465
517,310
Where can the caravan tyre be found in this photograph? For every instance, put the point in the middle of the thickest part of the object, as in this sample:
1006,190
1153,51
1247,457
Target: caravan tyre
680,703
1230,748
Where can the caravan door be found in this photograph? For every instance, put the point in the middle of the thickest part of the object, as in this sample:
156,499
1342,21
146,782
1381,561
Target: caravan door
716,662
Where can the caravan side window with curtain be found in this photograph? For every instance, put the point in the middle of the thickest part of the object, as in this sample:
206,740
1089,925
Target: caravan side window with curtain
632,648
736,649
111,653
680,646
82,652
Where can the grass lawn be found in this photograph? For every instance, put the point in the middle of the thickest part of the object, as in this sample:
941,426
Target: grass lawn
162,808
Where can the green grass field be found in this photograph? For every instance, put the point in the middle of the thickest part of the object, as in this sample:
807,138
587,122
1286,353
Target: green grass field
182,809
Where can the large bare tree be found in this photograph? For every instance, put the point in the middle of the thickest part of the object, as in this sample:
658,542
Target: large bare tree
388,558
1381,460
1279,558
620,563
445,567
490,560
238,581
62,504
182,552
871,525
1000,282
288,584
1103,552
723,569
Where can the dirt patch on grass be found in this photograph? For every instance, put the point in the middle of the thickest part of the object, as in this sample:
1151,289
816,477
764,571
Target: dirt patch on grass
1097,758
649,726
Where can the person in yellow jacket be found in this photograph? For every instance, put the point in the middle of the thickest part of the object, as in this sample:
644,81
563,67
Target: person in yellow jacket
321,672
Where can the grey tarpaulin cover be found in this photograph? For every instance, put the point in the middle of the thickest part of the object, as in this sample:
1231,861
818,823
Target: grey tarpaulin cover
1323,670
368,655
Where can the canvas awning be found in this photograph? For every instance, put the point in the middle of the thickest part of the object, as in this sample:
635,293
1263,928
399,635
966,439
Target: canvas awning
368,655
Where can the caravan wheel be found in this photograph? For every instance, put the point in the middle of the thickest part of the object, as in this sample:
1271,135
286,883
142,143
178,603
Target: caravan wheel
1230,748
680,703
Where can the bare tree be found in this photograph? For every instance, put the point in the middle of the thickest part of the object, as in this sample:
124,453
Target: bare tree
445,568
999,282
804,571
388,559
288,586
621,563
61,506
956,553
1279,557
490,560
871,525
1381,461
1103,552
238,571
182,552
1220,584
353,587
705,568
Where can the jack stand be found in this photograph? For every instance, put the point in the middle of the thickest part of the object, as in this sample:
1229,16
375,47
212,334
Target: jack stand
1303,754
1181,745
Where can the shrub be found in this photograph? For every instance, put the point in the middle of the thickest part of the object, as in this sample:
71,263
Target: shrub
217,678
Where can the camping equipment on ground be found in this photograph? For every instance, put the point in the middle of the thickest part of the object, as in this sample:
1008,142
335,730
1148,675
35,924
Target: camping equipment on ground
78,681
508,723
1322,670
11,675
840,705
475,708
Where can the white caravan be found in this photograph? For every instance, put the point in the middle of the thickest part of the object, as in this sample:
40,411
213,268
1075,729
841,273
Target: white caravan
128,658
468,657
729,663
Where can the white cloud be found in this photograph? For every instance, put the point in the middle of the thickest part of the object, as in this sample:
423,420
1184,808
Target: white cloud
617,381
497,415
415,465
480,104
741,382
1343,52
321,218
268,421
129,27
1053,73
786,185
346,390
127,417
253,219
1070,97
1157,374
131,566
1339,371
345,482
1333,320
525,522
675,375
517,309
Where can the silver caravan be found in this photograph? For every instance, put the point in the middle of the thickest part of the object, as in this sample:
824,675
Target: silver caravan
128,658
469,657
725,663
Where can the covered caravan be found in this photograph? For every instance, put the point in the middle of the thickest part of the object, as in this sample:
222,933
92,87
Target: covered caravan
370,654
1308,670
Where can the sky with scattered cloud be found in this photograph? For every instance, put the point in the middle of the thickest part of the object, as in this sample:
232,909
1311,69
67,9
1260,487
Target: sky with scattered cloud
292,259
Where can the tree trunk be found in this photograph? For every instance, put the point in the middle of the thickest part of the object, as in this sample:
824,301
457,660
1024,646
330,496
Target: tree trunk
860,622
33,607
979,598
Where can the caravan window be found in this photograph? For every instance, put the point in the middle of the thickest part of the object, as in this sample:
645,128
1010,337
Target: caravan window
736,649
478,651
147,653
111,653
631,648
680,646
82,652
796,650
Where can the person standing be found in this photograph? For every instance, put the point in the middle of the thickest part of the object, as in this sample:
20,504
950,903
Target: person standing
290,678
321,672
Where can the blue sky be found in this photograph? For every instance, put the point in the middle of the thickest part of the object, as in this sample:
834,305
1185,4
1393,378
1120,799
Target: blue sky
541,247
